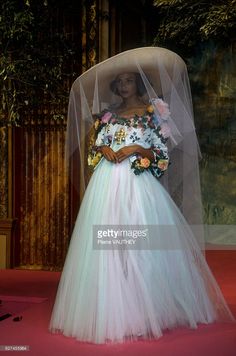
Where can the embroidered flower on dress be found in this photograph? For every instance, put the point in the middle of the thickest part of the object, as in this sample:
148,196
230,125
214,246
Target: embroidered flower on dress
162,107
145,162
165,130
94,159
163,164
150,109
96,124
106,117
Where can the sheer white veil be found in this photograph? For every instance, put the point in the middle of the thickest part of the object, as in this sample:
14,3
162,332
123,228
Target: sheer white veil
164,75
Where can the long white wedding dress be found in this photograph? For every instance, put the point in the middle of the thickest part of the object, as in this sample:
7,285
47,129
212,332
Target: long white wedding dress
116,295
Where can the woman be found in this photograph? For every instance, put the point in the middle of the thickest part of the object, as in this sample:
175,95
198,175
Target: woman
126,87
134,267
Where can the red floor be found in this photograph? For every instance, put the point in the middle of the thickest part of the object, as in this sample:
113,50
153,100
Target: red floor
218,339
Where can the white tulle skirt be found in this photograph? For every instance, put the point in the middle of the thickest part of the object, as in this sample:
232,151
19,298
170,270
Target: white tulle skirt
109,296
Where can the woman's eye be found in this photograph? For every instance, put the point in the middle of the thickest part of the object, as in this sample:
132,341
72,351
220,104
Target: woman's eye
120,82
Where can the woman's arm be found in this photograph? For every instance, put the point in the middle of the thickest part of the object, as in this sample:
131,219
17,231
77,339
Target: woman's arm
108,153
145,152
99,146
127,151
160,151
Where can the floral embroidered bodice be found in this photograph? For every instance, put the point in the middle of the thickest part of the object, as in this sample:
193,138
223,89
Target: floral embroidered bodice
117,131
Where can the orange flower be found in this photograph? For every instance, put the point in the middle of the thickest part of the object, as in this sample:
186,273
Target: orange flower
144,162
150,109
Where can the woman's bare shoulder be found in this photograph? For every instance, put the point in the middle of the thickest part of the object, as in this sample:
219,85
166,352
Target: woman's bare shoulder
138,110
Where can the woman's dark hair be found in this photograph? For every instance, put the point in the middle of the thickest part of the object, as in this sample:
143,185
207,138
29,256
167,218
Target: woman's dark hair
139,82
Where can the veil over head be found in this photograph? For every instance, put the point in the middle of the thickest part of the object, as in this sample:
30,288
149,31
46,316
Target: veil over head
163,75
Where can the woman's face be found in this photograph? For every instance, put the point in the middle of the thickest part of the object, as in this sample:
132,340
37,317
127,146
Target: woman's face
126,85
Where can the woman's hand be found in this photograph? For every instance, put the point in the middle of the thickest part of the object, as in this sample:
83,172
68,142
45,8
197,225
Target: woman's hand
108,153
126,151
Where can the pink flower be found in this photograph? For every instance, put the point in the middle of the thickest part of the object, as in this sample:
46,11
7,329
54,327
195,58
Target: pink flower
165,130
106,117
162,107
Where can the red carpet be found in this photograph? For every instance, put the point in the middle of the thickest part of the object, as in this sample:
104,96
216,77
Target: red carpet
33,293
